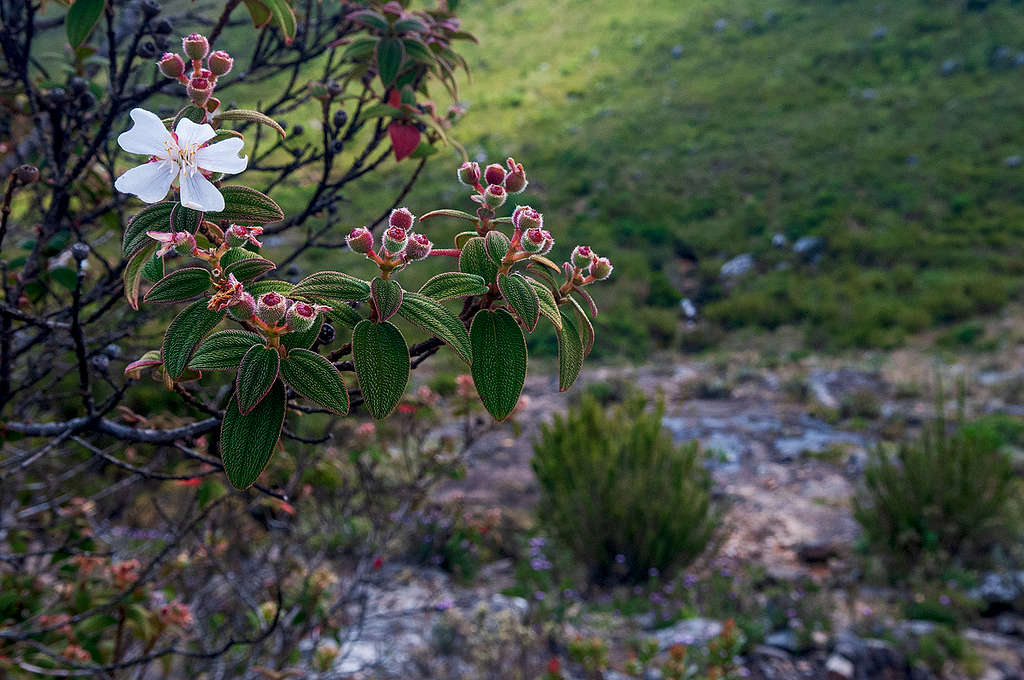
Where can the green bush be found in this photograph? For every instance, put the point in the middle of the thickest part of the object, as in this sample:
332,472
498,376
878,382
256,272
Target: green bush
947,497
619,493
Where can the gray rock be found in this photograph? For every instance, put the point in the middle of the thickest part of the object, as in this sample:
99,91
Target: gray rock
808,246
838,668
1000,590
769,652
677,51
783,639
748,25
689,309
688,632
950,66
1012,161
738,266
1019,59
779,240
879,33
770,15
721,25
869,94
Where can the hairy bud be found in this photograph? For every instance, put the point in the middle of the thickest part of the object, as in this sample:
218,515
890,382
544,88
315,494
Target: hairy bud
418,247
360,240
582,257
239,235
245,308
469,173
533,240
395,239
27,174
549,242
525,218
301,315
195,46
515,180
199,90
494,174
401,218
271,307
601,268
171,65
220,63
495,196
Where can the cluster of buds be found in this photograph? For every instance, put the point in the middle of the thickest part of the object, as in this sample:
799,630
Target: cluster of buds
399,246
495,183
274,312
175,615
530,232
586,264
182,241
124,574
201,81
239,235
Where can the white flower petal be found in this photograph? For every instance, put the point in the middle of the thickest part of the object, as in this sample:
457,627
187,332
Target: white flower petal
198,193
193,134
223,156
147,136
149,181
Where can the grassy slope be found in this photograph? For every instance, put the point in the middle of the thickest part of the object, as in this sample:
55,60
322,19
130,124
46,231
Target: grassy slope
673,165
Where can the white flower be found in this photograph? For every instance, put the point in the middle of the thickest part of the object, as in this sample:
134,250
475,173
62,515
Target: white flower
181,157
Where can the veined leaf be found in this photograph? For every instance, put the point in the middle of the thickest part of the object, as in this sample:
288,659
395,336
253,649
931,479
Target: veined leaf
316,379
256,375
570,353
260,287
81,19
251,117
248,268
303,339
387,297
153,270
156,217
234,255
284,16
497,245
360,48
259,12
184,333
223,350
180,285
243,205
390,55
247,441
448,285
408,24
369,18
584,326
343,314
448,212
438,320
462,238
133,273
185,219
548,306
521,297
381,359
332,286
499,361
546,262
475,260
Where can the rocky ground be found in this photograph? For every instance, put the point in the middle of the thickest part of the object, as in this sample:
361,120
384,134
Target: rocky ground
789,442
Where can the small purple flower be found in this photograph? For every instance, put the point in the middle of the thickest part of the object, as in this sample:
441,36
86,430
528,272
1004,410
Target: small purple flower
620,559
790,613
540,564
653,572
444,605
944,600
690,580
539,595
538,542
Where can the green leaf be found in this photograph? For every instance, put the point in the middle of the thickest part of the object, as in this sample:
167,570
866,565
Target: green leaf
247,441
540,259
224,349
521,297
65,276
360,48
249,268
408,24
381,358
387,297
499,361
497,245
209,491
283,14
448,212
586,328
178,286
133,273
192,112
153,269
475,260
438,320
343,314
548,306
260,287
368,17
248,116
256,375
303,339
332,286
81,19
316,379
462,238
390,55
156,217
184,333
185,219
423,150
448,285
418,52
243,205
234,255
259,12
570,353
380,111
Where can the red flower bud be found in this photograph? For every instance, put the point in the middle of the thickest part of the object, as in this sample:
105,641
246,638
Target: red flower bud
199,90
533,240
401,218
171,65
495,196
525,218
582,257
515,180
195,46
418,247
271,307
601,269
220,63
300,316
395,239
494,174
469,173
245,308
360,240
549,242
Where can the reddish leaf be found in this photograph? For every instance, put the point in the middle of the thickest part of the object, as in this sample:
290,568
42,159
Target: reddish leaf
404,139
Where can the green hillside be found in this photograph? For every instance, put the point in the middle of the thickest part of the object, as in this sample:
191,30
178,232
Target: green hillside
675,135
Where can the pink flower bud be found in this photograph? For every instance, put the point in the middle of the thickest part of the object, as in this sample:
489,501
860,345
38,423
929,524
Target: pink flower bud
533,240
245,308
494,174
525,218
469,173
515,180
418,247
184,243
549,242
220,63
301,315
271,307
199,90
239,235
360,240
195,46
495,196
401,218
395,239
601,269
171,65
582,257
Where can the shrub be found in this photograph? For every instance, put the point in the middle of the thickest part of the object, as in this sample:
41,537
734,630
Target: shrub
619,493
946,496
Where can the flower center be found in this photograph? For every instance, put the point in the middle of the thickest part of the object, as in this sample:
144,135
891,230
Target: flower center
184,156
